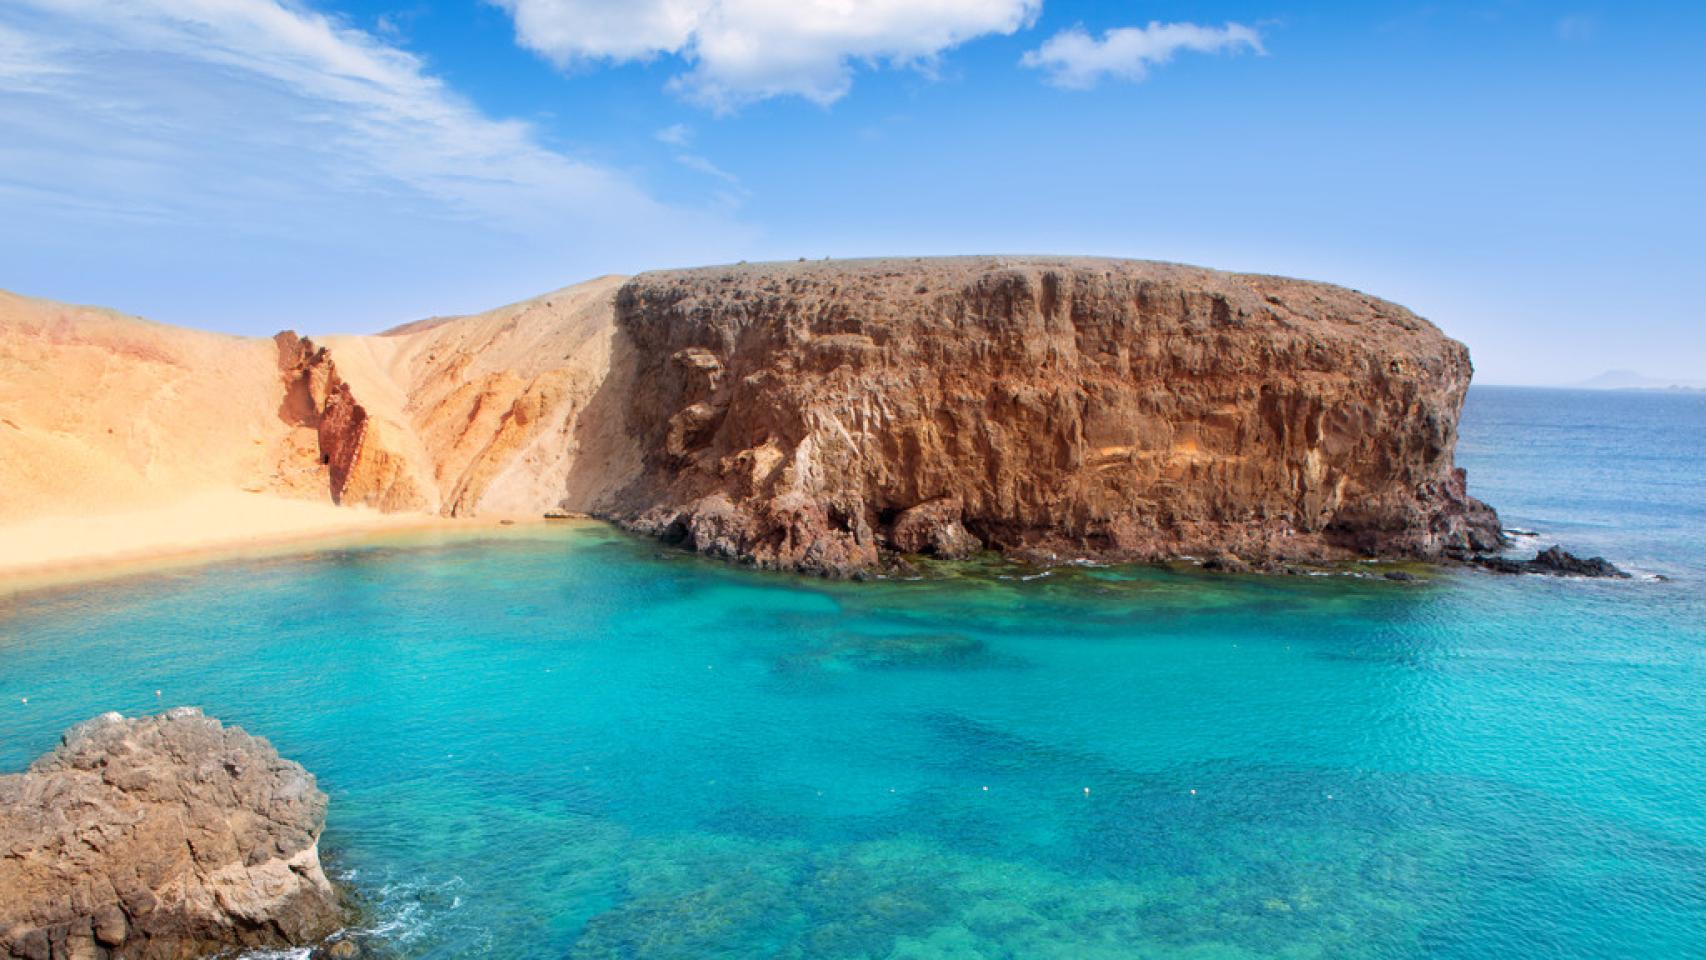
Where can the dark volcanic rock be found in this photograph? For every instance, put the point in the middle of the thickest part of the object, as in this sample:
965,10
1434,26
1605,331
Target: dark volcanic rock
816,416
161,837
1554,561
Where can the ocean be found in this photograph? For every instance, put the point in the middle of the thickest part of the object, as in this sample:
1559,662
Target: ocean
571,743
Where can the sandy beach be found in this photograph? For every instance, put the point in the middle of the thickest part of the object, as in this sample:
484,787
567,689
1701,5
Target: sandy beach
53,549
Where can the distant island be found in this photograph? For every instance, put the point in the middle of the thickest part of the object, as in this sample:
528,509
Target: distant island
1631,380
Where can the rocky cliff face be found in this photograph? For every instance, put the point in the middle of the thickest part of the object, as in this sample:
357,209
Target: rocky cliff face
160,837
814,416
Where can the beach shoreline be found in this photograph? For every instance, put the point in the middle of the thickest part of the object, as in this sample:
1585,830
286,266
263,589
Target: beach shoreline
48,552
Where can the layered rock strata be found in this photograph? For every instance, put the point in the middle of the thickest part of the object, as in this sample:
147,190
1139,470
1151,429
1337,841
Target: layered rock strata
815,416
161,837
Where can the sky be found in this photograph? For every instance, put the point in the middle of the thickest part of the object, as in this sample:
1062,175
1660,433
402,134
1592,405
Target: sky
1529,175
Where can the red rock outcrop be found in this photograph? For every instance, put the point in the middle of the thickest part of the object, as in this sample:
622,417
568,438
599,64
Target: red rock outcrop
816,415
161,837
364,467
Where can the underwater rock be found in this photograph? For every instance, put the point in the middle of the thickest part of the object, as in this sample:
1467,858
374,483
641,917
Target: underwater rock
161,837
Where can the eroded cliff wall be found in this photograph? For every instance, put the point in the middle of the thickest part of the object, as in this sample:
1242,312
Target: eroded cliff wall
813,415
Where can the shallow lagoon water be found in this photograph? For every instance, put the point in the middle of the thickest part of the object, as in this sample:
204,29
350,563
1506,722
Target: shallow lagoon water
571,744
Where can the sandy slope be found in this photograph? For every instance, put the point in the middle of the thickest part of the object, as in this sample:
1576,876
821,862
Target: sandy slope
495,406
123,439
98,410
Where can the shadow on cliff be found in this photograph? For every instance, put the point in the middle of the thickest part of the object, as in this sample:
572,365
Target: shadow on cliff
608,465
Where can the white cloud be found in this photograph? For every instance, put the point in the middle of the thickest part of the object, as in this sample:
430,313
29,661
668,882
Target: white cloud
240,75
1075,60
694,162
676,135
283,144
747,50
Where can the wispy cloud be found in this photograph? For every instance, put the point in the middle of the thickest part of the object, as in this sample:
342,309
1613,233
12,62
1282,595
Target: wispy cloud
693,161
742,51
676,135
189,104
1077,61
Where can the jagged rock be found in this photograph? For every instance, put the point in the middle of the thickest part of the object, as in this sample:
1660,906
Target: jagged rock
362,460
809,416
1554,561
934,527
161,837
1226,563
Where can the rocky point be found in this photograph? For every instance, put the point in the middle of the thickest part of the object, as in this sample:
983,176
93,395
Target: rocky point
161,837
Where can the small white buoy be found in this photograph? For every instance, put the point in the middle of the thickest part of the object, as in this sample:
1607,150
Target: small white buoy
27,700
985,789
1086,791
1193,793
156,693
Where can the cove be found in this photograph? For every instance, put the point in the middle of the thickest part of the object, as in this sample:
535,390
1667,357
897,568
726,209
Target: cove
574,743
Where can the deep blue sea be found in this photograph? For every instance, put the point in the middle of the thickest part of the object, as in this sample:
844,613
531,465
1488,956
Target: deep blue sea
567,743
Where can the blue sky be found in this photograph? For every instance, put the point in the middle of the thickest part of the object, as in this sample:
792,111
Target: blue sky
1526,174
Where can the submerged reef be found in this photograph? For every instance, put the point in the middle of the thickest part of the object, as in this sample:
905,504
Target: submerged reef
161,837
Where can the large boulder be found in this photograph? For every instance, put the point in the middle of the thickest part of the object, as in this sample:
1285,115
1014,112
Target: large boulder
161,837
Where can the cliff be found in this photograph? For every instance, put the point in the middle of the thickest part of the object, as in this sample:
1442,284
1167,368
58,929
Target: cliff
160,837
815,415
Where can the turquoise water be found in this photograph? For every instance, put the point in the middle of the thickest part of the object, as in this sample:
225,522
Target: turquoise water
570,744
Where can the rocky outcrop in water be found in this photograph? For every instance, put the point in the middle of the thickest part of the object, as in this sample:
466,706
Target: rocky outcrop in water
161,837
1557,562
815,416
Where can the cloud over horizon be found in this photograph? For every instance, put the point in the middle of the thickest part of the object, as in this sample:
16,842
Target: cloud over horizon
743,51
1077,61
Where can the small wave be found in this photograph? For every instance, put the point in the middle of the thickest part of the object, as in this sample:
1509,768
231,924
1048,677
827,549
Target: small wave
404,912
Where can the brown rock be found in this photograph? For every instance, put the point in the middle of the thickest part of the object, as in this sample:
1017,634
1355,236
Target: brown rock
803,415
160,837
934,527
110,925
363,456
